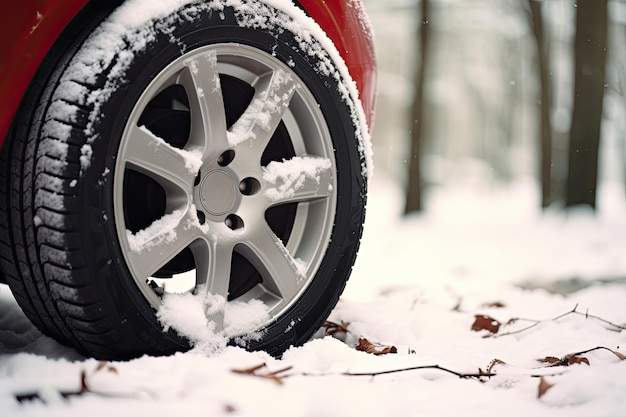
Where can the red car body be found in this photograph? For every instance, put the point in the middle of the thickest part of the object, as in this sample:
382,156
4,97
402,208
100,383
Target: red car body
30,27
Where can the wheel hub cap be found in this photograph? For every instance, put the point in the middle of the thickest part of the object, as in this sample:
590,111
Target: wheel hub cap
218,192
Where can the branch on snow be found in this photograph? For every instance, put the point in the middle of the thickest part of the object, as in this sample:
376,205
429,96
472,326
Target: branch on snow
480,374
494,325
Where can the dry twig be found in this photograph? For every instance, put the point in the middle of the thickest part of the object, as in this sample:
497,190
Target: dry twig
273,376
574,311
480,374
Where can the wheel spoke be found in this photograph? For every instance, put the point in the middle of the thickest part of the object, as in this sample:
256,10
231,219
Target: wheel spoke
256,126
159,243
280,271
299,179
213,264
208,120
155,158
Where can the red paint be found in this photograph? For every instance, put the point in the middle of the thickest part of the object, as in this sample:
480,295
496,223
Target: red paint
27,31
28,28
341,23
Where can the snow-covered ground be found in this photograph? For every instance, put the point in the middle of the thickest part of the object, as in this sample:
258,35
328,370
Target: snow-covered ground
553,284
418,285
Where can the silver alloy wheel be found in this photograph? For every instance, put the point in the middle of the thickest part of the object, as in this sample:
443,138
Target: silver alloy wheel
217,191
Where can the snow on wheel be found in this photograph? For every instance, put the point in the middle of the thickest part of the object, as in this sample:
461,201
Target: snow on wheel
213,150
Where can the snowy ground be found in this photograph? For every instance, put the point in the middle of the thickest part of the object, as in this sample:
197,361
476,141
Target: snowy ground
417,285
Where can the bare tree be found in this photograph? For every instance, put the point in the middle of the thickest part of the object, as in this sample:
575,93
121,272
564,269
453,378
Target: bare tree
414,183
590,45
545,102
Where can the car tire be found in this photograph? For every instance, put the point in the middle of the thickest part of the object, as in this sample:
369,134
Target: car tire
210,148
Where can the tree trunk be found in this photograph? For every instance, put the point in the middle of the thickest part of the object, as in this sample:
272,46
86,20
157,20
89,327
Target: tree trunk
590,45
414,184
545,103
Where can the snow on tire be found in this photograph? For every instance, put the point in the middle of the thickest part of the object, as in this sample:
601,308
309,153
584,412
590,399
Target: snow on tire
212,149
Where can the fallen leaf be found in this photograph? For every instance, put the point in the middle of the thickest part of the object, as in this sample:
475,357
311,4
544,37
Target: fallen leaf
544,386
577,359
621,356
567,358
574,358
550,359
368,347
333,329
483,322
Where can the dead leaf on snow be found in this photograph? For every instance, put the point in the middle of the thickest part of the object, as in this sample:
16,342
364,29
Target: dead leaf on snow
483,322
335,329
544,386
567,360
550,359
577,359
368,347
621,356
